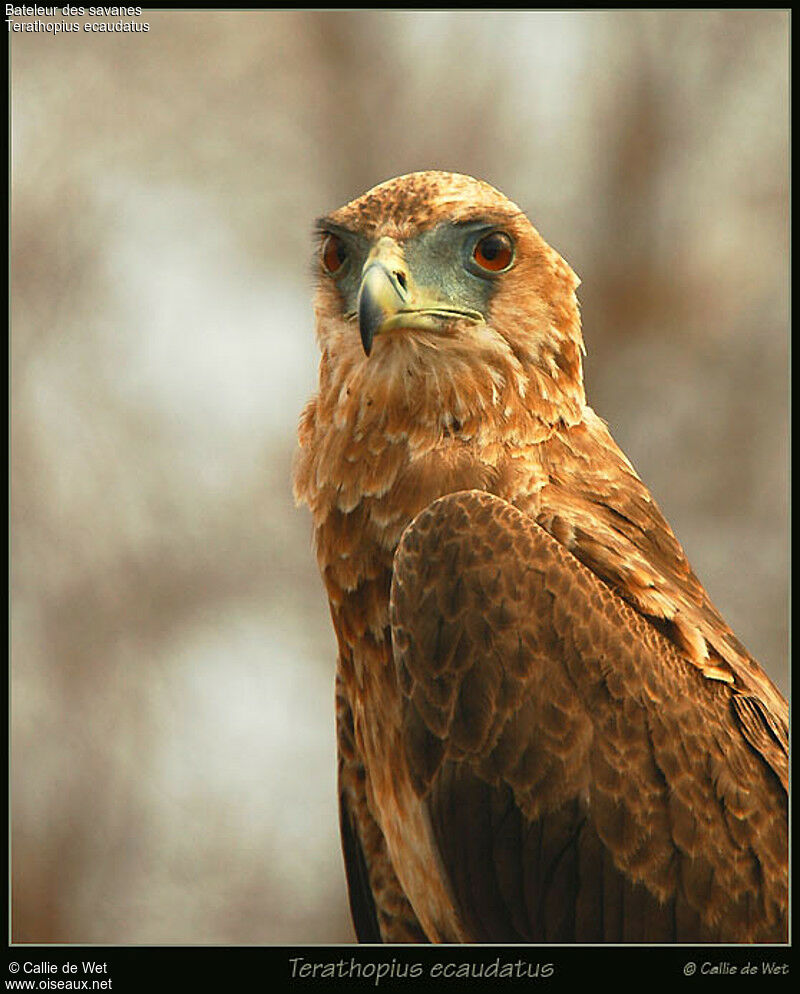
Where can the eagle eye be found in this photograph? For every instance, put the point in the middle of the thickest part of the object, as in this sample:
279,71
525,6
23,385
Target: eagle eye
494,252
334,254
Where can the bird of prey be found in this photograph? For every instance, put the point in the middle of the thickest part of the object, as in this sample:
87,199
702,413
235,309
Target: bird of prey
546,731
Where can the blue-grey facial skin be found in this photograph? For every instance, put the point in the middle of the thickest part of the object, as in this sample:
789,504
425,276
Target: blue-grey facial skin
439,269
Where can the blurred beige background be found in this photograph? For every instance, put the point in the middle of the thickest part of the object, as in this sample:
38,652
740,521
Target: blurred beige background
172,688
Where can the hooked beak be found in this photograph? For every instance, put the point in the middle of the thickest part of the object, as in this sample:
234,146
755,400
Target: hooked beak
388,298
383,292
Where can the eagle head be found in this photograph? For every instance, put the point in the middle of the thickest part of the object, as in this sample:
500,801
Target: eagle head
436,294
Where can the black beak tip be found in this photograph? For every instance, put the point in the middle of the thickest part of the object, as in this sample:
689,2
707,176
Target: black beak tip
369,318
366,338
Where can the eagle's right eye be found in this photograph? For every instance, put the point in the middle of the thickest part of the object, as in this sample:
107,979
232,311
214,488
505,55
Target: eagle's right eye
334,254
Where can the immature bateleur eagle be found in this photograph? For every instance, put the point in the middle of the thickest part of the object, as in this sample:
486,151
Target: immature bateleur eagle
546,731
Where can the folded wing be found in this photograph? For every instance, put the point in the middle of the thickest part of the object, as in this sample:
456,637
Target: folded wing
583,782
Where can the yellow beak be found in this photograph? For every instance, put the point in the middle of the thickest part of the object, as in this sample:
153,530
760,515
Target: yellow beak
388,297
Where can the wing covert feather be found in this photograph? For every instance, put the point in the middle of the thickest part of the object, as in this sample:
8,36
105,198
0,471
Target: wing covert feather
597,506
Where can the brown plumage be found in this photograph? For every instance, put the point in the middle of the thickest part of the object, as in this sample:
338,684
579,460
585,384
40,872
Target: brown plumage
546,730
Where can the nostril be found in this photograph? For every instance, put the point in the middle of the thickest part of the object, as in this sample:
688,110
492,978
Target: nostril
401,279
